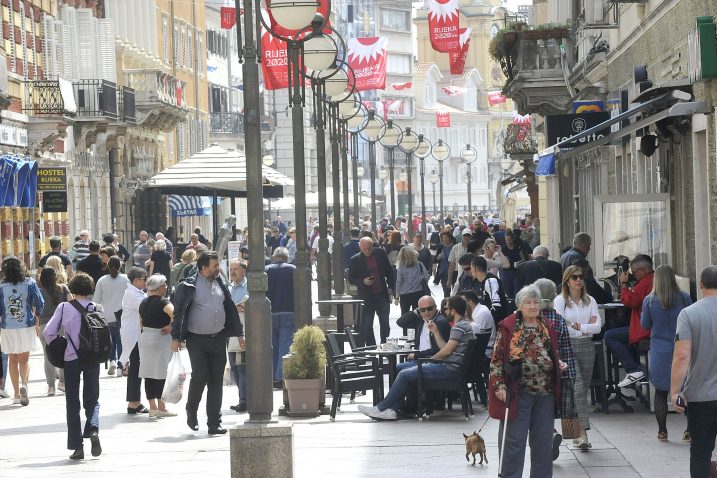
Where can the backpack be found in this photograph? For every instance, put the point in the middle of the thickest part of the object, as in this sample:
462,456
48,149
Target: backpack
435,240
505,310
95,342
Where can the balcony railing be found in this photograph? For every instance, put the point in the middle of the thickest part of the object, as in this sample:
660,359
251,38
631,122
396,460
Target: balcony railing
127,105
226,123
518,140
93,162
49,97
96,98
154,86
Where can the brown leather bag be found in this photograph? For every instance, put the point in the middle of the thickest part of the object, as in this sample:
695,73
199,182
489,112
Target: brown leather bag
570,422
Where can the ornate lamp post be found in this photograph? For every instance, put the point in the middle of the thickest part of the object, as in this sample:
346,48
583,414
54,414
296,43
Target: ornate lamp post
423,150
434,178
440,151
373,131
389,142
408,142
355,124
468,156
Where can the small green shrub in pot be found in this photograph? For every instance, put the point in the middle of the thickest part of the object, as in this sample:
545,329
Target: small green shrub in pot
308,354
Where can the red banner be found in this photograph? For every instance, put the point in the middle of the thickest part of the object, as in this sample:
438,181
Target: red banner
443,25
323,9
229,17
274,62
401,86
443,119
496,98
367,57
392,107
458,58
453,90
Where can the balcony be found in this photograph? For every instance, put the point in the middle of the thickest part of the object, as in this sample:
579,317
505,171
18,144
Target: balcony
126,101
533,64
49,98
518,140
96,99
226,123
159,99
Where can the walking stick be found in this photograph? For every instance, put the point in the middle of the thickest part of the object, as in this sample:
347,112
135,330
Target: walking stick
511,373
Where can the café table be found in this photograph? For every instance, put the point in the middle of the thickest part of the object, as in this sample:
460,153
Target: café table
392,357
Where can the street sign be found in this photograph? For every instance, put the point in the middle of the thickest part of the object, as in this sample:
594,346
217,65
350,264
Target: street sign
54,201
561,128
51,179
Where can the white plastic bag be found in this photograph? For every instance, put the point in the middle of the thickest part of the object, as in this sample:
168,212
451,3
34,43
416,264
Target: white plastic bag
177,370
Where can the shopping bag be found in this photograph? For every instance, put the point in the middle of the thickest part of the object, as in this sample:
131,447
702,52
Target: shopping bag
177,371
570,423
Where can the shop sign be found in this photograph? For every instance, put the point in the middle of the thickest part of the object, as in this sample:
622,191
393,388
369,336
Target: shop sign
561,128
54,201
51,179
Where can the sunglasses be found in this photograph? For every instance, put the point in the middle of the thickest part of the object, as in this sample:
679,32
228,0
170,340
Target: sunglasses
466,269
426,309
576,277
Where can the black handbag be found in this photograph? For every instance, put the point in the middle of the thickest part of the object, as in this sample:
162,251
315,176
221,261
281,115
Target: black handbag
56,351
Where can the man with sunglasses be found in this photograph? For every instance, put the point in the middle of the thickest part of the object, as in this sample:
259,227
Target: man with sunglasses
425,342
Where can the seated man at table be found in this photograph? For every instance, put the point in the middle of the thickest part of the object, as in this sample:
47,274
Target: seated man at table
425,342
453,352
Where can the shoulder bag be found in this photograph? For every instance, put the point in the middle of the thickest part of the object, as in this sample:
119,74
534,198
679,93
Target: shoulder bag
569,420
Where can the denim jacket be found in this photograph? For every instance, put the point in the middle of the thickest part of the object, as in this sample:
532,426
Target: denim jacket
17,302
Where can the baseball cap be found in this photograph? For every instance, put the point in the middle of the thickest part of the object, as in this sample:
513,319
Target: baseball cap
467,232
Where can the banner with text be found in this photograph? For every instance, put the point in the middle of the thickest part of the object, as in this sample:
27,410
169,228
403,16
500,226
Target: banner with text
443,119
443,25
458,58
367,57
274,62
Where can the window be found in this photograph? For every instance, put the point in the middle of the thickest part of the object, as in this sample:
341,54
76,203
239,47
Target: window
165,37
176,47
190,50
399,20
398,64
184,48
429,93
201,59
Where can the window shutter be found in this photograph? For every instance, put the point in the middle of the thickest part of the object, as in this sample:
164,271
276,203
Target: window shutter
190,50
50,47
87,38
165,37
176,46
108,67
23,42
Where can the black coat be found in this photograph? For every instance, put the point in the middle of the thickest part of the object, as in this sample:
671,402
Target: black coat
410,320
539,268
358,271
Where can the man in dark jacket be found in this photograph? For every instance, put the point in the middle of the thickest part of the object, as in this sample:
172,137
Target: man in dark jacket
539,268
280,293
375,279
352,247
425,342
204,316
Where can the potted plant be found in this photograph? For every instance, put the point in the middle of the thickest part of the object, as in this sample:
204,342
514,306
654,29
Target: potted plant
304,371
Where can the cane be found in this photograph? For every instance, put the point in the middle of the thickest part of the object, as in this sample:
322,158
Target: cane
511,373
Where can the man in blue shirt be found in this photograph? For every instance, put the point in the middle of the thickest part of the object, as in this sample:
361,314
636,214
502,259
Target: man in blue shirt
239,293
280,293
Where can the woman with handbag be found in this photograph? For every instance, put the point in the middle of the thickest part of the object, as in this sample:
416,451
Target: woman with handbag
411,279
581,313
524,386
69,318
53,293
156,313
659,314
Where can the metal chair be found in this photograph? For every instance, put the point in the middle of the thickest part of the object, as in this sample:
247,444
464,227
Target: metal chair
476,368
459,383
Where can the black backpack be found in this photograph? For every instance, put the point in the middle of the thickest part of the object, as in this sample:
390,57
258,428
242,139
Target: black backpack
95,342
505,307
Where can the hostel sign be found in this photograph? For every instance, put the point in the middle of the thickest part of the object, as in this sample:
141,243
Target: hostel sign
51,179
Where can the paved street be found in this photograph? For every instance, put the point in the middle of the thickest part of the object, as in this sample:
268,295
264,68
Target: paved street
33,439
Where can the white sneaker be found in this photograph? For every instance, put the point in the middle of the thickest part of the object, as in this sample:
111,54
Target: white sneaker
375,413
112,369
4,394
631,378
161,413
24,399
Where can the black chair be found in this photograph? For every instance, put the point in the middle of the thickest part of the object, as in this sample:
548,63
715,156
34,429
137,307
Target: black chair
352,373
458,383
353,338
476,368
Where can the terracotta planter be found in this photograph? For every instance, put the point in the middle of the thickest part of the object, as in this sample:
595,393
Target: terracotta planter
304,395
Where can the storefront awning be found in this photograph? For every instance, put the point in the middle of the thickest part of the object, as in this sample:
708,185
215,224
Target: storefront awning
546,165
674,103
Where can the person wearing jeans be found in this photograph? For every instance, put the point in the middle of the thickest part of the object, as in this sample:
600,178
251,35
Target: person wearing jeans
109,291
453,351
280,292
693,384
239,292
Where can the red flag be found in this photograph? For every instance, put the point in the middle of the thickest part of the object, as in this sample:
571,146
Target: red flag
391,107
443,119
496,98
229,17
457,58
274,62
453,90
323,8
401,86
367,57
443,24
521,119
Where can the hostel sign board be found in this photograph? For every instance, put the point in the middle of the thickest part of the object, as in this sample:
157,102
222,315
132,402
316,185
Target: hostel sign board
51,179
561,128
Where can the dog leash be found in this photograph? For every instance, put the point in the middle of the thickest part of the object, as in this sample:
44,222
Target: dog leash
486,421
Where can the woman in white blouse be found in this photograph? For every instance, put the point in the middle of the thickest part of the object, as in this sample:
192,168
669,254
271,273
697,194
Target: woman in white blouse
581,314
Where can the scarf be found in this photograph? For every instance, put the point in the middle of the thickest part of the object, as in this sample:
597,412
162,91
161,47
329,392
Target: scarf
516,349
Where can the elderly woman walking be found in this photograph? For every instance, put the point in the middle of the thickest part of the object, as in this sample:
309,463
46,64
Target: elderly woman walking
581,313
130,331
20,303
525,385
156,313
659,314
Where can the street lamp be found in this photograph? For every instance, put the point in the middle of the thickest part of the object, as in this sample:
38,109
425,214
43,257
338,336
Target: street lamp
355,124
434,178
408,142
468,156
390,141
441,151
373,131
423,150
346,109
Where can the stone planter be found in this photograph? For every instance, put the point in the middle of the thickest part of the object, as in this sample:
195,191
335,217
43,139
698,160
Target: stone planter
304,396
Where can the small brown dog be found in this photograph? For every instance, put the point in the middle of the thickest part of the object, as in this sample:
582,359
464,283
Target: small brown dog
475,444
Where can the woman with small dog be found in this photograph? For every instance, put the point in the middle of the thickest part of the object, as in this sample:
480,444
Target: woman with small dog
659,314
580,312
525,383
